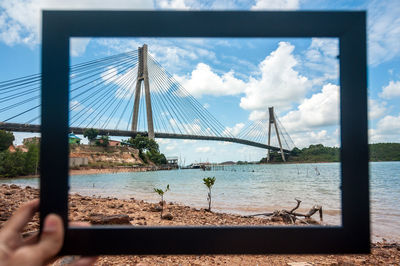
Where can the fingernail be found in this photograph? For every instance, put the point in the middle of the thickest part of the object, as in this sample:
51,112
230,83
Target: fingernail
50,223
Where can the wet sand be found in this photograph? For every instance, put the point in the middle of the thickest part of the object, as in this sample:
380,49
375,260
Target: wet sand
140,213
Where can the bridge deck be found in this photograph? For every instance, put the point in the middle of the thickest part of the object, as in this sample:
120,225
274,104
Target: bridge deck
125,133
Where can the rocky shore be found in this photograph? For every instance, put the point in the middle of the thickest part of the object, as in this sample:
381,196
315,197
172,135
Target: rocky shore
139,213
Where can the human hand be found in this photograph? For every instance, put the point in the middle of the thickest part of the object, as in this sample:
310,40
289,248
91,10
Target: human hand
34,250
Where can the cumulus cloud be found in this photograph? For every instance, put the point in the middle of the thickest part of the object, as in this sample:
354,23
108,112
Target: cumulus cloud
321,58
276,5
305,139
235,130
173,4
376,109
383,31
321,109
203,149
203,80
20,20
391,90
280,84
387,129
123,80
78,46
258,115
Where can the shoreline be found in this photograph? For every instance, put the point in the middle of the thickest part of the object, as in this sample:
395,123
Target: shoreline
140,213
93,171
114,170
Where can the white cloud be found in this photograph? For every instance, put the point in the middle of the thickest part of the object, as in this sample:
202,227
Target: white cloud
276,4
123,80
170,147
20,20
391,90
383,31
387,130
304,139
78,46
376,109
203,149
203,80
189,141
258,115
173,4
321,109
77,106
389,124
163,141
280,85
321,58
235,130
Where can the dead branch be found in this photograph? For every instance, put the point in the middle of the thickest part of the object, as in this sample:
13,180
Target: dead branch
297,206
291,216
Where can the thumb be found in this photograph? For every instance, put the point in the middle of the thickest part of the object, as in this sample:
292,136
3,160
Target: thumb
51,239
49,245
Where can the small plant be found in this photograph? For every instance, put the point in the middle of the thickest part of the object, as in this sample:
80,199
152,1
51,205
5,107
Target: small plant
161,192
209,182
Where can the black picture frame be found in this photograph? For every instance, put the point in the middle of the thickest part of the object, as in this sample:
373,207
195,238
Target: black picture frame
353,236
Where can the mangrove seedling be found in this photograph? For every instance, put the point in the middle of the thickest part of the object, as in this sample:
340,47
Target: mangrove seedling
209,182
161,192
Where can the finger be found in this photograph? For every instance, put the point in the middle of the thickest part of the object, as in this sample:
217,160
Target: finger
34,237
48,246
21,217
51,239
79,224
84,261
31,239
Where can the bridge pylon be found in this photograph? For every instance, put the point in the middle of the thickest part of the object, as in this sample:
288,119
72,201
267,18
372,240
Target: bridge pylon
271,121
143,76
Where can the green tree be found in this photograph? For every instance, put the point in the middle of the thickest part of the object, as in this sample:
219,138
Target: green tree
161,192
91,134
209,182
32,159
148,147
6,139
295,151
156,157
12,163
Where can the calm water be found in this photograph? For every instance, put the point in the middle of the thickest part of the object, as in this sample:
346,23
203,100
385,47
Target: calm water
255,189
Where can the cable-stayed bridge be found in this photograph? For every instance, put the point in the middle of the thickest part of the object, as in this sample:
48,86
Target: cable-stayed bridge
129,94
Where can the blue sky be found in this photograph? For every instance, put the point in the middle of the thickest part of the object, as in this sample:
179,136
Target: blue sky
297,76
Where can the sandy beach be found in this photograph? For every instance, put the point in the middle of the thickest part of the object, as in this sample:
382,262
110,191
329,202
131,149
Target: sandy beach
139,213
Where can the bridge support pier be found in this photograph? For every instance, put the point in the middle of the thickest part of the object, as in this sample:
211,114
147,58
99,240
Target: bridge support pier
143,76
271,121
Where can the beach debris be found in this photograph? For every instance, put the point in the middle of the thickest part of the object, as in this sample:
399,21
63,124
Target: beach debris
161,192
291,216
109,219
168,216
209,182
156,208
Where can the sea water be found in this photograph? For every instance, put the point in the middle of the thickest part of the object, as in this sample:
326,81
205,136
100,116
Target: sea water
253,189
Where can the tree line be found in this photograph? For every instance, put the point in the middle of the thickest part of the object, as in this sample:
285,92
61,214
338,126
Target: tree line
321,153
17,163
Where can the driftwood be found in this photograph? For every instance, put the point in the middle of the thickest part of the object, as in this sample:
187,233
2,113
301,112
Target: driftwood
291,216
